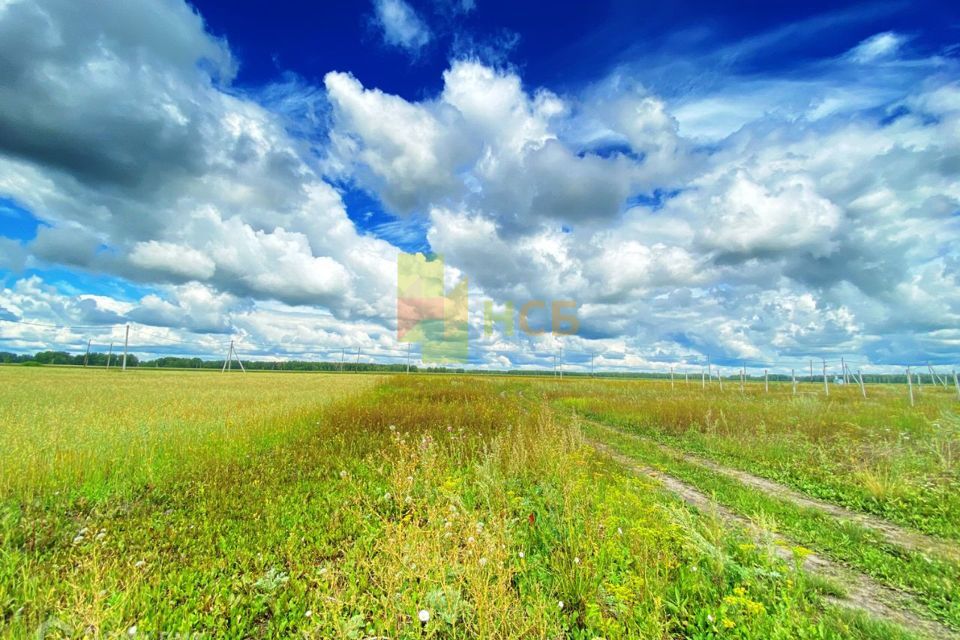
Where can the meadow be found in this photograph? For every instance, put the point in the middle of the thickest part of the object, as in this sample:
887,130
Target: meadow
275,505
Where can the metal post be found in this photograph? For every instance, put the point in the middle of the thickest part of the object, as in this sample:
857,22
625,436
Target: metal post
126,342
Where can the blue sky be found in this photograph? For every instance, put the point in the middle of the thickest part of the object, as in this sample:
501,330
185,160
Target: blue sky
758,184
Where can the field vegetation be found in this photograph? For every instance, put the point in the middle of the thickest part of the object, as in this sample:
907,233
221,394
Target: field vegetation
269,505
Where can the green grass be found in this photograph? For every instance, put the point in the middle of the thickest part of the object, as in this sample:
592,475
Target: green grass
935,582
335,506
878,456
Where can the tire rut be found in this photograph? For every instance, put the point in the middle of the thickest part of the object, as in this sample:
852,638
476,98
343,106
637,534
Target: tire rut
863,593
895,534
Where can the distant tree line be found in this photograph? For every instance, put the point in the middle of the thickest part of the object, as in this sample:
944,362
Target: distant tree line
174,362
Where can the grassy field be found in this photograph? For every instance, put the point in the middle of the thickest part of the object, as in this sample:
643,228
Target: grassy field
310,505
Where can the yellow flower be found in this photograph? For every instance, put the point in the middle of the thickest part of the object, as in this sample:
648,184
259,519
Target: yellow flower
727,624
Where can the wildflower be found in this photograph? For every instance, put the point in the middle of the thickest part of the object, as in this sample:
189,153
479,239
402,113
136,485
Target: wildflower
101,536
392,427
470,540
132,631
409,478
139,564
308,614
424,616
386,496
343,473
521,555
727,624
78,539
447,524
619,531
560,605
710,617
408,499
694,569
576,560
483,562
479,526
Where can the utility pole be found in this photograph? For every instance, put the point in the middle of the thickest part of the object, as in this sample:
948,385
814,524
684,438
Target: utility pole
826,387
793,375
591,365
408,357
86,356
863,387
766,382
671,377
109,355
358,359
343,354
228,363
126,342
910,386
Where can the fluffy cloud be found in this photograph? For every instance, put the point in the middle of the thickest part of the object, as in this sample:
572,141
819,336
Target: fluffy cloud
770,218
401,26
144,167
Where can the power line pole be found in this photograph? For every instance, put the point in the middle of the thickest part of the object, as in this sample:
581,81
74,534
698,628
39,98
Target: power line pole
86,356
826,387
910,386
408,357
109,355
358,360
343,354
228,363
126,342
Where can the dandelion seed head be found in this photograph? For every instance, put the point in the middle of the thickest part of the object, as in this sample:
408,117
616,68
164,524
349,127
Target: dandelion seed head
483,562
521,555
424,616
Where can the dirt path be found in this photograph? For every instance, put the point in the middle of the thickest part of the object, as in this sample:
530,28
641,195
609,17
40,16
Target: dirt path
893,533
863,593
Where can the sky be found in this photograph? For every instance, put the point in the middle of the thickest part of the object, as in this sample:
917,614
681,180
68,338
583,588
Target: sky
757,184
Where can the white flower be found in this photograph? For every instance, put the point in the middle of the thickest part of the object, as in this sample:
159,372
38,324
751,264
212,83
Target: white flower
308,613
709,618
408,499
470,540
560,605
521,555
101,536
139,564
78,539
386,496
619,531
409,478
393,428
424,616
693,569
483,562
343,473
576,560
132,631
